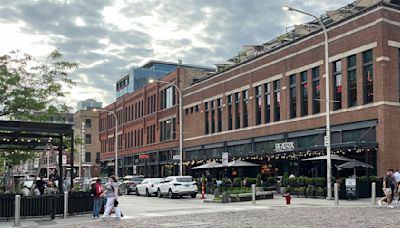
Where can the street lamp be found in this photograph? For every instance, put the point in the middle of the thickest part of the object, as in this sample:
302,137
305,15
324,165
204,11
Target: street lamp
180,122
116,139
327,139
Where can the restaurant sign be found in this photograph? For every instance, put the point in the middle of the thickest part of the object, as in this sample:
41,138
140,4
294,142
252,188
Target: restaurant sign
284,146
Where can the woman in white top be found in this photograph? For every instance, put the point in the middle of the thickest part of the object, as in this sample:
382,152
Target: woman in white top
111,195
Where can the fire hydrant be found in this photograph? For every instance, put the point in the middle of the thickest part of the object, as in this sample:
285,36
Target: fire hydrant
287,198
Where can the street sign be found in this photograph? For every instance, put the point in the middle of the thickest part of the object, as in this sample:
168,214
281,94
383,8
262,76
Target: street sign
143,156
176,157
134,169
326,141
225,159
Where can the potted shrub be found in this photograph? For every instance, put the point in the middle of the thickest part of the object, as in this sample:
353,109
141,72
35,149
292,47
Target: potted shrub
309,181
258,184
250,181
310,191
237,182
320,181
293,181
301,181
301,191
320,192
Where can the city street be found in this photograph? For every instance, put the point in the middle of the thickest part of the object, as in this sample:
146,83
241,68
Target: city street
187,212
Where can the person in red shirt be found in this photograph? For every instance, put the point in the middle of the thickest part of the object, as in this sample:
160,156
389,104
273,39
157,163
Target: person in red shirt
97,200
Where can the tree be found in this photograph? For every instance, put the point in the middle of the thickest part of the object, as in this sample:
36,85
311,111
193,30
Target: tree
28,85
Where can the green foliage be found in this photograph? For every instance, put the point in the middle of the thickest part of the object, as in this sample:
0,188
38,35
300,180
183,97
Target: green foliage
285,182
237,180
309,181
250,181
362,179
271,180
320,181
301,191
28,85
293,181
14,157
301,181
259,180
319,191
310,190
373,178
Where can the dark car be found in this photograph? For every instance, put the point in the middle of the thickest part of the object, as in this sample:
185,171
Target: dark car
131,182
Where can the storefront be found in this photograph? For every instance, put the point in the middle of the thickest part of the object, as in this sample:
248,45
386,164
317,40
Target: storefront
284,153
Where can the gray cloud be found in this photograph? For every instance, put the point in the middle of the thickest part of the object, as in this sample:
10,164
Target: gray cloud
223,27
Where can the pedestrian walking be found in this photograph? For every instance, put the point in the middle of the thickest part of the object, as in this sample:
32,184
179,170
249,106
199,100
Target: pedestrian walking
41,185
209,182
397,189
111,195
97,200
386,189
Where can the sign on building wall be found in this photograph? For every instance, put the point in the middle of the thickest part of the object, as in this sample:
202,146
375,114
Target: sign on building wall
225,159
284,146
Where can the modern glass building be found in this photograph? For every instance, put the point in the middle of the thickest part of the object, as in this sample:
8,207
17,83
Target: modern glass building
138,77
89,104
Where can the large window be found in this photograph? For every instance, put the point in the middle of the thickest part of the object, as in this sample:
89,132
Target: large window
212,103
88,123
258,90
316,91
337,85
352,80
88,157
167,130
267,103
237,110
230,116
368,76
168,97
277,100
245,108
206,121
304,93
88,139
292,95
219,115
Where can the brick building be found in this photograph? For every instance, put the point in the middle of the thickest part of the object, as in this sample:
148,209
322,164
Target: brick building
147,127
268,106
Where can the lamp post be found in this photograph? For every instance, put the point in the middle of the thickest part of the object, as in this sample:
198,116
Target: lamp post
180,122
116,139
327,139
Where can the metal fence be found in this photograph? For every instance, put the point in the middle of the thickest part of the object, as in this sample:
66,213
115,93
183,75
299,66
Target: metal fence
46,205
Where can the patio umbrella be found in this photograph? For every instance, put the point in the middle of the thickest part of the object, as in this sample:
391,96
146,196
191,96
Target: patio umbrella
353,165
240,163
325,157
209,165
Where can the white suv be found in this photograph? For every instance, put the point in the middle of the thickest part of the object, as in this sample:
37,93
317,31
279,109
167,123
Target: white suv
177,186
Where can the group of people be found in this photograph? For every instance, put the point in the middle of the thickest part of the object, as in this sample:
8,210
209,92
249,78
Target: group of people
111,196
391,188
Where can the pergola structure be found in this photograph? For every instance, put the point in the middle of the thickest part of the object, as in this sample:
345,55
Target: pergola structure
26,135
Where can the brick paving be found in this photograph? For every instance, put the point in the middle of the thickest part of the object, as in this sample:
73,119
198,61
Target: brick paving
272,217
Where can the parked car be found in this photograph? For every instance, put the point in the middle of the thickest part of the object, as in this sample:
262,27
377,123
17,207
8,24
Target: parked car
177,186
131,182
148,187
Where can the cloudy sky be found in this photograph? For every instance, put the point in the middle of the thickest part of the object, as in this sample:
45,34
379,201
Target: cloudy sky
108,37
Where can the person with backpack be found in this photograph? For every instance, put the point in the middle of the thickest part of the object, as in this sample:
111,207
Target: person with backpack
97,200
111,195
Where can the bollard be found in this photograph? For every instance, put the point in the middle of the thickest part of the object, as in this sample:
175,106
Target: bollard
65,204
336,193
373,193
253,193
202,188
17,214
